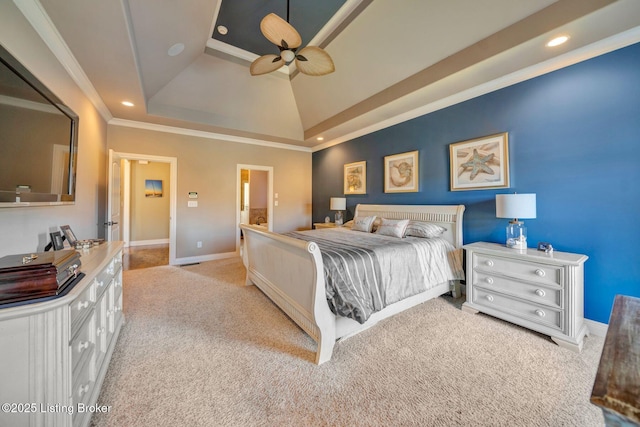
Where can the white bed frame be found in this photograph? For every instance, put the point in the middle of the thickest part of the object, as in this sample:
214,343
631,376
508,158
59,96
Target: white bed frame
290,272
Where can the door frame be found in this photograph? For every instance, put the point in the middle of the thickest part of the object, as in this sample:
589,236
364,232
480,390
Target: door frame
173,196
269,170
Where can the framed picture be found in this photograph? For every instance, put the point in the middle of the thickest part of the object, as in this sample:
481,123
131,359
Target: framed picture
355,178
153,188
479,164
68,234
401,173
56,240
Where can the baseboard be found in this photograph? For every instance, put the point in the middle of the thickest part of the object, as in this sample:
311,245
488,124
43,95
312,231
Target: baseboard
595,328
203,258
149,242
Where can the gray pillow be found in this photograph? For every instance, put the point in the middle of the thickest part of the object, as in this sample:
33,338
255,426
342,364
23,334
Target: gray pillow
424,229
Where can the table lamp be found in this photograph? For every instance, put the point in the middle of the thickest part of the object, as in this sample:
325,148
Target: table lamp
516,206
338,204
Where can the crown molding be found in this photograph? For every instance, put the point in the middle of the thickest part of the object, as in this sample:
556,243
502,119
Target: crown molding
204,134
41,23
610,44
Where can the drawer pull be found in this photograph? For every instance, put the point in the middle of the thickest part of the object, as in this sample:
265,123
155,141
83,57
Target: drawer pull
82,305
489,263
82,346
117,309
490,298
99,331
540,313
83,389
540,292
100,283
489,280
540,272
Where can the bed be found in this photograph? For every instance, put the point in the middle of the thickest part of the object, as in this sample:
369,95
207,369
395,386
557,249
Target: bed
291,272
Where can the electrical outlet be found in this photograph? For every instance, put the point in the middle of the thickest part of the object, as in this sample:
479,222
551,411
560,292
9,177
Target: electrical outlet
199,244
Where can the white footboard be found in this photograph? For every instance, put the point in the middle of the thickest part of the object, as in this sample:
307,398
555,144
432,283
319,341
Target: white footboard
298,288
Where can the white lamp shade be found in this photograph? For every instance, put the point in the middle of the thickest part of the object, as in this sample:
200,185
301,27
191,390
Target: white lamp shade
515,205
338,203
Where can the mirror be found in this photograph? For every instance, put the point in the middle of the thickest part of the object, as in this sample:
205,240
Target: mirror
38,140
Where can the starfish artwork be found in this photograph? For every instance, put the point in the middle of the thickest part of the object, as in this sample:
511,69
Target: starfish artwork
478,164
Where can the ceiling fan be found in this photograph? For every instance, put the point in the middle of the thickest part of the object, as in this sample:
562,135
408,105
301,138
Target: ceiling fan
310,60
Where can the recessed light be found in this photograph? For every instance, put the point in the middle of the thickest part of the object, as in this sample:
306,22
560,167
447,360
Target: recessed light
320,138
558,41
127,103
222,30
176,49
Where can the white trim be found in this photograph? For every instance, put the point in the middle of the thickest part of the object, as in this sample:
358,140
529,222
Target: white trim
270,201
626,38
204,134
40,21
149,242
203,258
125,229
173,194
596,328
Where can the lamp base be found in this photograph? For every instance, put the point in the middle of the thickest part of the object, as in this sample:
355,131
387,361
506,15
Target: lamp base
339,218
516,235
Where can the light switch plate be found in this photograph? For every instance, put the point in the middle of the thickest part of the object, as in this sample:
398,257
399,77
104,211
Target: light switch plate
192,204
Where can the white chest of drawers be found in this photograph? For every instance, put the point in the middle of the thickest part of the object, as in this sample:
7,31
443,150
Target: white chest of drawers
540,291
54,354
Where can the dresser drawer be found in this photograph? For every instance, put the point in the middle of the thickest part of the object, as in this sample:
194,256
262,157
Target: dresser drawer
545,316
81,307
83,383
83,342
535,272
102,281
547,295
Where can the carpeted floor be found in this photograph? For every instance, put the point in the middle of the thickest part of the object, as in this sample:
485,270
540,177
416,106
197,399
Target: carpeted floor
201,349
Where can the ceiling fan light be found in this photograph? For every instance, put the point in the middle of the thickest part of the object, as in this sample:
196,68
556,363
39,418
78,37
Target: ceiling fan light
287,55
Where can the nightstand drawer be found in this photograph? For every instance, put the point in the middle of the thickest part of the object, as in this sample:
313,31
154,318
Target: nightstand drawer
546,295
524,270
545,316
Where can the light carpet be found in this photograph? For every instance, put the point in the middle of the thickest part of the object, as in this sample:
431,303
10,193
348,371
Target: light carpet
201,349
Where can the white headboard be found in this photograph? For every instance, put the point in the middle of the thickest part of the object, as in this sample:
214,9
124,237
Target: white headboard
448,216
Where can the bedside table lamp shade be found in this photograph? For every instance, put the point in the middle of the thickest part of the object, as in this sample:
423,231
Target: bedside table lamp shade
516,207
338,204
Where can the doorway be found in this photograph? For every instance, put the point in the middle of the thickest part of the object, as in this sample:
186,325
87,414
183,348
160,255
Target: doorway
254,201
120,196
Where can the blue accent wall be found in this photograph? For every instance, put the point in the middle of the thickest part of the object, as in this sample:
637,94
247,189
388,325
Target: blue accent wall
574,140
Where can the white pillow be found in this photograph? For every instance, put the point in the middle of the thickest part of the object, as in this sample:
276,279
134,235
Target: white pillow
392,227
424,229
363,223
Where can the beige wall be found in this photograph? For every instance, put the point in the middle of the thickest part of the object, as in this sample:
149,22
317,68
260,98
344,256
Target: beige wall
209,167
27,229
149,215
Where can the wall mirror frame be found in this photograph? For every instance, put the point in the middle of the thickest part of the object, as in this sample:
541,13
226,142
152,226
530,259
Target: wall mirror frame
38,140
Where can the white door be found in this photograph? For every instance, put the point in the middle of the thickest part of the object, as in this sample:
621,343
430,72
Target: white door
113,198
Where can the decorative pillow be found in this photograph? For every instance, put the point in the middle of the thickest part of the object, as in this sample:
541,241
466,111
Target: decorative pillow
363,223
376,224
424,229
392,227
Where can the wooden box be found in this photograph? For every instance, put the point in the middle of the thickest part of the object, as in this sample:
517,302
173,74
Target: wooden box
29,276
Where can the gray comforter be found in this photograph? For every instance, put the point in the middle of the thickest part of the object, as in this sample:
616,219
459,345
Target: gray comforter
365,272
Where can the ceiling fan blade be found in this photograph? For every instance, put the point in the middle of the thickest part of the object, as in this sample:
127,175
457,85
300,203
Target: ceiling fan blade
314,61
276,29
265,64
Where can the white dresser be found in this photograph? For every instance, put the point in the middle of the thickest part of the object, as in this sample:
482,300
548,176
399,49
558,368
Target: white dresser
540,291
54,354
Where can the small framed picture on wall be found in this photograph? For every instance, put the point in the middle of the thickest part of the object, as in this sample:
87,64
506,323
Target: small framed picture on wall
480,164
401,173
355,178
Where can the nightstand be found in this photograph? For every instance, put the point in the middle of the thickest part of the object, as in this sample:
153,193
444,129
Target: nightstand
540,291
317,225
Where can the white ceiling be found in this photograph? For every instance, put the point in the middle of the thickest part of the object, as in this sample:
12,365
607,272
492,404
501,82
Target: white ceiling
396,59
